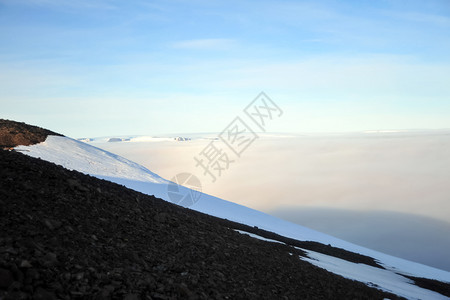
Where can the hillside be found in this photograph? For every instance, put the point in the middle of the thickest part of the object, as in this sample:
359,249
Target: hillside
89,228
69,235
14,133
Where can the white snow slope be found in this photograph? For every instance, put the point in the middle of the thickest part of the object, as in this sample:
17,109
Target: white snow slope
76,155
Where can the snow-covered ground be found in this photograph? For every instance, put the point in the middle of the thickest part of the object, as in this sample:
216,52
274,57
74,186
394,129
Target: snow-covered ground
387,280
85,158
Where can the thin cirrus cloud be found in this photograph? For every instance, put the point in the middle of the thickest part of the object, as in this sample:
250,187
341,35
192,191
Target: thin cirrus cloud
205,44
81,4
319,56
421,17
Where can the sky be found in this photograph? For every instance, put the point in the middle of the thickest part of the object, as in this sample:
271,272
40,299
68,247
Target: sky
98,67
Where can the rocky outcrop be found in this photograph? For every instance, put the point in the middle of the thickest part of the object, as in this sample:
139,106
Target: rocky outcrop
13,134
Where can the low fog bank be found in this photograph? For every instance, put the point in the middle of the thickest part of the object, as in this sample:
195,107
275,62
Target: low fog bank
405,173
402,172
412,237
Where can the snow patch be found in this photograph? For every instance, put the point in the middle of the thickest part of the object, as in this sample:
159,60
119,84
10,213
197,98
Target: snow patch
374,277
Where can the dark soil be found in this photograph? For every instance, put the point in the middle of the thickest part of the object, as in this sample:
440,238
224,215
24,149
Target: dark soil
430,284
65,235
310,245
13,134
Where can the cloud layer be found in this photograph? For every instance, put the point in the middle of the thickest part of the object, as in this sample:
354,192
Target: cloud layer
387,191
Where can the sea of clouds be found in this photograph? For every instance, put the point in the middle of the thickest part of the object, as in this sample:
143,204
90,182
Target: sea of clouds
388,191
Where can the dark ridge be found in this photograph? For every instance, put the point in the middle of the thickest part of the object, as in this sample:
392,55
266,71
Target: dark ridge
310,245
13,134
66,235
431,284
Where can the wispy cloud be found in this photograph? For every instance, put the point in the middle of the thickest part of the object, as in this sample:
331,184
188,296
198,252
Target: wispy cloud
205,44
79,4
307,53
422,18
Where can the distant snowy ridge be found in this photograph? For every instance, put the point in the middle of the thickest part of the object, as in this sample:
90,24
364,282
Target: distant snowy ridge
76,155
263,135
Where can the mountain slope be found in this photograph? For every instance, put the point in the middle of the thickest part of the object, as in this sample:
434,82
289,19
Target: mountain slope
71,236
90,160
87,159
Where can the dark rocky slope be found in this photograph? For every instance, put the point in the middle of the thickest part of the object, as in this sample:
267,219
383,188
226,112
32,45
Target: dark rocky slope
71,236
14,133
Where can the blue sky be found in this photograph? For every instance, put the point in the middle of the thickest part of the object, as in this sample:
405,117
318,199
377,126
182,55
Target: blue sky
97,67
